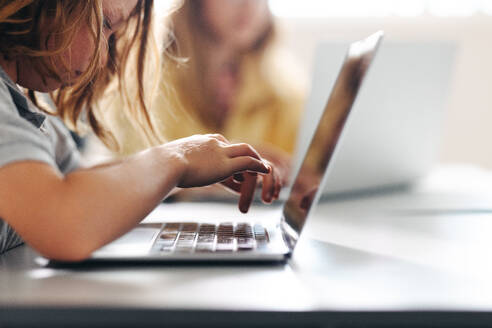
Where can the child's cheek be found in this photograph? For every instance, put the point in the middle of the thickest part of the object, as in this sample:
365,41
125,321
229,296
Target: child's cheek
80,52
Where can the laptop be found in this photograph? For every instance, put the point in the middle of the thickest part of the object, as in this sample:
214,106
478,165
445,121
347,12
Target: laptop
393,136
252,241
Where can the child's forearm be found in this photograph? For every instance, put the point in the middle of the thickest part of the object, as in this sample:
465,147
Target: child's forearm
113,198
69,217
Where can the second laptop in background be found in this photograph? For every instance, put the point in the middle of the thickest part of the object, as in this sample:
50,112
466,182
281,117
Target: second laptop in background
393,135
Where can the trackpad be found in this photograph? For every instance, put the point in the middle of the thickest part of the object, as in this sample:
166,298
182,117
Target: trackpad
136,241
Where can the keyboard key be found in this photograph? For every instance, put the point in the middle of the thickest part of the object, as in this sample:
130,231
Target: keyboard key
244,244
243,230
172,227
224,244
185,241
261,235
225,230
166,239
205,241
168,236
165,243
189,227
187,235
204,247
166,249
183,249
244,236
202,239
207,228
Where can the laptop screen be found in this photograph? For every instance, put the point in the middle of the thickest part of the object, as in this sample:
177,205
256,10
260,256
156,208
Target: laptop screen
304,192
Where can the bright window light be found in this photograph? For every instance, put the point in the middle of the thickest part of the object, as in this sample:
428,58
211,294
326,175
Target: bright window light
486,7
408,8
379,8
330,8
445,8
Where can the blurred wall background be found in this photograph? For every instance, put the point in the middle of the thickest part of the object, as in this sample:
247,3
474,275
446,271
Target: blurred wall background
467,129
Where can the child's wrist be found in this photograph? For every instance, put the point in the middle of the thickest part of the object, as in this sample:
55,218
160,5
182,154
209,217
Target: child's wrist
172,164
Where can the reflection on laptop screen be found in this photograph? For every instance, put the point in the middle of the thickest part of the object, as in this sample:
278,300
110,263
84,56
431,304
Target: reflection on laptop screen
311,174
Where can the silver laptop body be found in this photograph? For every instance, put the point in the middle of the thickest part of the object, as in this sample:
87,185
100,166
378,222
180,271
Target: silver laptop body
246,241
394,133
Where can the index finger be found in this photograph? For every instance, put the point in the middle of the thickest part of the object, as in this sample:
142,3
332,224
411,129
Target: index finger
248,187
241,149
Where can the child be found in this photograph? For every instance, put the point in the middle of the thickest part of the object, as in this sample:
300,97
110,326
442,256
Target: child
76,48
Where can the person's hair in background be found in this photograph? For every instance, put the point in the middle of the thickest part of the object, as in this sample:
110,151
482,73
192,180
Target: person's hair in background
225,73
41,31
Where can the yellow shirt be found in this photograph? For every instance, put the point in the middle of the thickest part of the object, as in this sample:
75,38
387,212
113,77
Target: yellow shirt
268,110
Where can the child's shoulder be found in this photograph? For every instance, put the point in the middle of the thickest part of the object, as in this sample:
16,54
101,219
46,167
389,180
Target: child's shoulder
7,105
27,134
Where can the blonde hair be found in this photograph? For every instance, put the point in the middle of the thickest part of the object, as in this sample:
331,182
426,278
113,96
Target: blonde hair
26,27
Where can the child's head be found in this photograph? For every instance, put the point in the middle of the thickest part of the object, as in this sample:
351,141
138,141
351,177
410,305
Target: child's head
73,47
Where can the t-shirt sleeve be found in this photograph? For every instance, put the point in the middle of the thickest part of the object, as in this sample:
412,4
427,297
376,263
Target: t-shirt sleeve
19,139
66,153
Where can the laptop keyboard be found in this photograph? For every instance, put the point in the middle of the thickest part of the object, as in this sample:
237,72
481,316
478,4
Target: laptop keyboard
205,237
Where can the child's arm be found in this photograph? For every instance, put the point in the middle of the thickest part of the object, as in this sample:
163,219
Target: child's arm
68,217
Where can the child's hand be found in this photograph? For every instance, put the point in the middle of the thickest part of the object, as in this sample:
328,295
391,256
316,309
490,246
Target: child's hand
279,158
245,185
207,159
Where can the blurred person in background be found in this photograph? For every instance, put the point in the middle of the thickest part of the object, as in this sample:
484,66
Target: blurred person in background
224,73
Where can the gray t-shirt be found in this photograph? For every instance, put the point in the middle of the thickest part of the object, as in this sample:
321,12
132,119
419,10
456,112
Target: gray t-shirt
28,134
